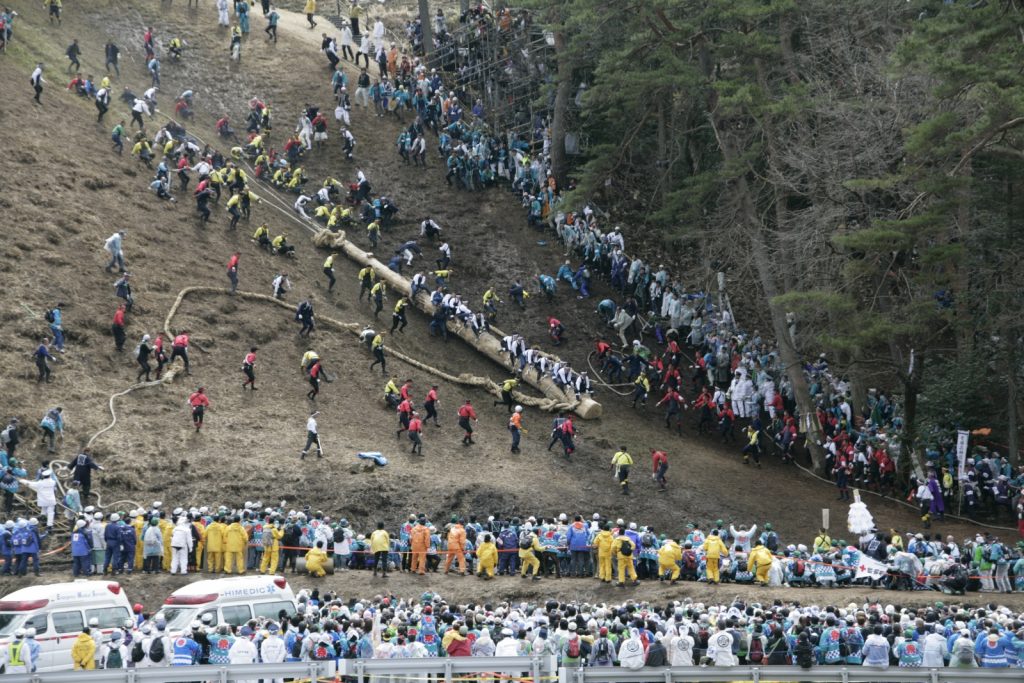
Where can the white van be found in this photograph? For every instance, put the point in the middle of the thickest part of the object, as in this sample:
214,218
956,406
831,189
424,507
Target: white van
233,600
58,612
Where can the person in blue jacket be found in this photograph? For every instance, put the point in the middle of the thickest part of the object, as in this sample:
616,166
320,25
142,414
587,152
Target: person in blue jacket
128,541
991,649
81,550
56,320
7,547
26,546
578,538
112,540
184,650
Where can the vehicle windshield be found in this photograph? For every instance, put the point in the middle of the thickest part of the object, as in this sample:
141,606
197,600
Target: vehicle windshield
9,622
177,618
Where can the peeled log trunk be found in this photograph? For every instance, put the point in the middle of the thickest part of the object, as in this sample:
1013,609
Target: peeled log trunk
487,344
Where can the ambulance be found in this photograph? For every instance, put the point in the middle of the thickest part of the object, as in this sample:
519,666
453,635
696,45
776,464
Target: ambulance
233,600
58,612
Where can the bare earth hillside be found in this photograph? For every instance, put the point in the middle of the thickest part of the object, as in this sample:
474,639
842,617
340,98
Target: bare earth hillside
62,192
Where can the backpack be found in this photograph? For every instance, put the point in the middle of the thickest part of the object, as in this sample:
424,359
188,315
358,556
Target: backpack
756,653
156,650
986,553
297,648
602,651
648,540
49,316
525,543
267,538
798,568
138,351
137,652
114,660
573,651
320,653
626,549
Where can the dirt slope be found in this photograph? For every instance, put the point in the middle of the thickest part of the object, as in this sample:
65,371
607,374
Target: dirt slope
63,192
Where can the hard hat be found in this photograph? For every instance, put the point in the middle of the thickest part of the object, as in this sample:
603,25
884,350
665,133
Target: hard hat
20,633
519,409
114,517
30,633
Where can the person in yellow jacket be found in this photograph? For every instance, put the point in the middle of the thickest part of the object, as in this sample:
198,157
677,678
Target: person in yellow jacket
759,561
823,542
621,462
603,543
380,546
625,550
235,542
213,539
310,10
487,558
528,557
83,651
272,552
669,557
166,530
200,528
139,523
714,549
316,558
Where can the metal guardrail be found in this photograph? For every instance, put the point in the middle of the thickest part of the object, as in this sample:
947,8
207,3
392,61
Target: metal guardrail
537,669
183,674
784,674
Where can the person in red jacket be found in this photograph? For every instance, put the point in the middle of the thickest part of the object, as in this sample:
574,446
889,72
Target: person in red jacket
233,269
726,420
705,402
118,328
159,355
466,413
415,430
659,459
430,403
248,367
675,403
406,390
404,411
315,373
199,403
179,348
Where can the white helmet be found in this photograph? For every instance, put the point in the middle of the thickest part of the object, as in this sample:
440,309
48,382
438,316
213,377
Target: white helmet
30,633
519,409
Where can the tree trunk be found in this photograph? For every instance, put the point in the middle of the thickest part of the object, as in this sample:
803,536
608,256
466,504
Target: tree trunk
464,6
1012,435
488,343
563,94
787,352
909,456
427,29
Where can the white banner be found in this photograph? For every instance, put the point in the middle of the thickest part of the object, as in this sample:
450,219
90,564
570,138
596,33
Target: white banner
872,569
962,437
